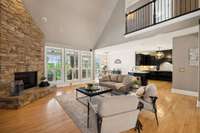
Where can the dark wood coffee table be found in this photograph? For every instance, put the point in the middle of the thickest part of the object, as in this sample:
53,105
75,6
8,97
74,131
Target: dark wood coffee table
96,91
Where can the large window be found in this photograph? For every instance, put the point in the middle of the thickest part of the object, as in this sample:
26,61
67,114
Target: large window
86,65
101,61
71,65
54,64
66,65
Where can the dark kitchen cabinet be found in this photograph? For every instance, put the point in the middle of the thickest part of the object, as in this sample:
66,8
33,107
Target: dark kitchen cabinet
146,60
160,75
151,60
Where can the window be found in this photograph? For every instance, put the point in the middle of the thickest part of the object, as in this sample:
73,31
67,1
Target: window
100,62
54,64
86,65
71,65
67,65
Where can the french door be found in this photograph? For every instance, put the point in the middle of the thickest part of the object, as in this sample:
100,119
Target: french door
71,65
54,61
67,65
86,66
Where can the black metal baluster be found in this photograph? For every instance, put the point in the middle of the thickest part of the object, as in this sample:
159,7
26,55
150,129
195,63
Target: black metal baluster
126,17
165,11
169,6
147,15
196,4
136,20
172,4
133,22
143,15
185,6
180,4
139,19
154,12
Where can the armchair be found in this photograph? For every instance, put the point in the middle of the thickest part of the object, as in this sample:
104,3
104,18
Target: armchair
114,114
148,100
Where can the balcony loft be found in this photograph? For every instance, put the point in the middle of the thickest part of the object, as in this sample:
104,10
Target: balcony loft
161,12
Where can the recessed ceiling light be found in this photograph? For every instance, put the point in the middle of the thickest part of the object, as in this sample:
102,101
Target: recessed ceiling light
44,19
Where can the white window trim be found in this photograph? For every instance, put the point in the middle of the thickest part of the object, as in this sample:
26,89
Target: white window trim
87,53
63,80
62,61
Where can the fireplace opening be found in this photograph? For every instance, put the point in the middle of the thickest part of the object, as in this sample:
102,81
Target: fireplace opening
29,79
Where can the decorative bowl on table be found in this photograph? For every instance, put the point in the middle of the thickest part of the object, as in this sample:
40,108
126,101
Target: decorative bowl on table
91,87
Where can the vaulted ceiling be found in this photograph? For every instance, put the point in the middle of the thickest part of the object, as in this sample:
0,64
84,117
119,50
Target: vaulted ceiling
74,23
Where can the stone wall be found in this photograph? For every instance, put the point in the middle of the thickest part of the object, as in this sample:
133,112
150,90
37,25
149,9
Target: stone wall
21,43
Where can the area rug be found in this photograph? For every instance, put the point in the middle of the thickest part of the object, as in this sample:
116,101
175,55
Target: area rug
77,112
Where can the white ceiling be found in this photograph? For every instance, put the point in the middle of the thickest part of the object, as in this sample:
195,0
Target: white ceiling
130,2
74,23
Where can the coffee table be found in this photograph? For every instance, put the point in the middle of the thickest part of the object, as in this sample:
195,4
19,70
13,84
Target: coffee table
96,91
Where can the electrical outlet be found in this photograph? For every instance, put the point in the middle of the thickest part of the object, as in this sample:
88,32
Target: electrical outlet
181,69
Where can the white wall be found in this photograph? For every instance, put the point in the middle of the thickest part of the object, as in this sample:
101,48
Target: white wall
127,57
126,51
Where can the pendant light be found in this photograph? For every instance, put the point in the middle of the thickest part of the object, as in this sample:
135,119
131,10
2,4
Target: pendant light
159,53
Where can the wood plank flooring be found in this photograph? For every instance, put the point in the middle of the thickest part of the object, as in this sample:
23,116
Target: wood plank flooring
177,114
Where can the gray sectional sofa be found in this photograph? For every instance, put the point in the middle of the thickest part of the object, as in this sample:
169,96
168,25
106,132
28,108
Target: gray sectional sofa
119,83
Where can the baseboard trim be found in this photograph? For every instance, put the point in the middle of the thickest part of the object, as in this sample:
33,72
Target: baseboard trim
198,103
184,92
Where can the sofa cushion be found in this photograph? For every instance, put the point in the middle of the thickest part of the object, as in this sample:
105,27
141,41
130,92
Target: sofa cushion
120,78
119,85
133,78
105,78
114,77
127,80
108,84
116,104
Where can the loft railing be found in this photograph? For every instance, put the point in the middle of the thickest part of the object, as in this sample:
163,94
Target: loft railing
158,11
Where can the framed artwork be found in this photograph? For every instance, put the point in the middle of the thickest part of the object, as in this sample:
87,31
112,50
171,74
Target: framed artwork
118,61
193,57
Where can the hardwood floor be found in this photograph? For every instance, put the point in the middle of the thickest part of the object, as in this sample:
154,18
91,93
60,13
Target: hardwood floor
177,114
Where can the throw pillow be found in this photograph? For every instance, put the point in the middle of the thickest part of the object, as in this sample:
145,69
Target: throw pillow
127,80
106,78
140,92
114,77
120,78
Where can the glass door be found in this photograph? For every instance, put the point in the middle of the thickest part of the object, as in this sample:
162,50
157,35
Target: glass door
54,64
86,65
71,65
101,62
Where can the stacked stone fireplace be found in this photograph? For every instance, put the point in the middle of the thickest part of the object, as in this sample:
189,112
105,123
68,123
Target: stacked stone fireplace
21,51
22,44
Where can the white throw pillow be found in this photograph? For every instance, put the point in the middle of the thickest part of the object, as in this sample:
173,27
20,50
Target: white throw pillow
140,92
